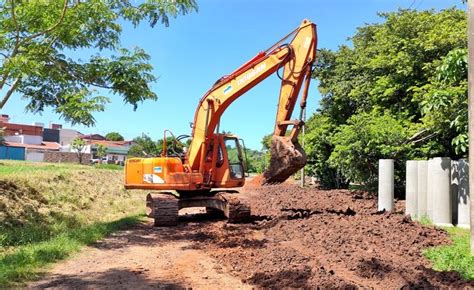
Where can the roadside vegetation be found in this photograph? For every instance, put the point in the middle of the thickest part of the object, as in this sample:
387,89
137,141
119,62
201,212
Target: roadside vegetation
49,211
398,91
455,257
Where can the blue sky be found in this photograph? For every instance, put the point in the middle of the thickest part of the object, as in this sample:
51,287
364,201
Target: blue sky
198,48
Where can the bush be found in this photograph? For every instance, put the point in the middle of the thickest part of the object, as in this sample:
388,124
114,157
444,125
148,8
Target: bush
365,139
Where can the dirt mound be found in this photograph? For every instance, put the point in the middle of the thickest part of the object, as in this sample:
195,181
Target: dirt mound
309,237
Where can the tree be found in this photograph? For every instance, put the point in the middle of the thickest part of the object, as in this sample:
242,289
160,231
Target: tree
39,40
401,77
114,136
318,146
101,151
444,105
366,138
144,147
79,146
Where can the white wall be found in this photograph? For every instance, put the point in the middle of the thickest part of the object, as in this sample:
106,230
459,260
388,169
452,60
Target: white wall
25,139
34,156
68,148
67,135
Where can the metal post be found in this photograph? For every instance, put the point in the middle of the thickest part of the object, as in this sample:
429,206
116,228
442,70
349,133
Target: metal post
470,45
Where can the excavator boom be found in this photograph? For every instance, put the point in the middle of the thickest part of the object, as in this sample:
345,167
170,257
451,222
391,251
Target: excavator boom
296,58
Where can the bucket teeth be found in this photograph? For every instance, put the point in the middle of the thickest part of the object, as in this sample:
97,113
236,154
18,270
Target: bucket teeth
287,157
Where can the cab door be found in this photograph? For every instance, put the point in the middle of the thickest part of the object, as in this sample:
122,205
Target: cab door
235,158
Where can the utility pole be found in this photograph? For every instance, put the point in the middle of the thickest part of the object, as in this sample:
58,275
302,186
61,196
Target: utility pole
470,45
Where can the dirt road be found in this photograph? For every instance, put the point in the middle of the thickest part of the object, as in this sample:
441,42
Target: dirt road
142,257
297,238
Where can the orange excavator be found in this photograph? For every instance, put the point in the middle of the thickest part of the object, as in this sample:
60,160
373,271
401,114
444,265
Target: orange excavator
215,162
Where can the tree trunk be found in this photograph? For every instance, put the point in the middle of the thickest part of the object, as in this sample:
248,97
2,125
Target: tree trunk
470,38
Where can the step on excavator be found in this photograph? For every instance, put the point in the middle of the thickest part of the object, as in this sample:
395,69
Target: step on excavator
214,162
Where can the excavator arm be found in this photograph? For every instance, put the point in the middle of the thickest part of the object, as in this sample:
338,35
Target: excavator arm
296,58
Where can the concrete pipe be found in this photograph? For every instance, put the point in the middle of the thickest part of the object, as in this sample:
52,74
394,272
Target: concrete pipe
429,189
440,171
411,189
463,194
454,190
422,168
386,185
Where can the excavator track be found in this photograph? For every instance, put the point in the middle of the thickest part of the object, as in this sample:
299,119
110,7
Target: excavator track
163,208
237,209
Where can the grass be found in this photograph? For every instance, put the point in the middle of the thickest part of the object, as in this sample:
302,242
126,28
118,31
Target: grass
454,257
109,166
11,167
49,211
26,262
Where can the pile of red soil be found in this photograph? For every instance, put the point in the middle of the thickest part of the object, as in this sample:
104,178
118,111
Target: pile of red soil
310,237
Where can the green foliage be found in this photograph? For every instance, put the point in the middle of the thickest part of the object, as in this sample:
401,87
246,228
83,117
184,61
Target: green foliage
101,151
256,162
366,138
55,209
25,262
145,147
318,147
114,136
40,38
455,257
108,166
398,92
78,145
444,101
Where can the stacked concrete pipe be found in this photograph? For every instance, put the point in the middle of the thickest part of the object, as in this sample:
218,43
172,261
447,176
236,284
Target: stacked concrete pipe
386,185
411,200
463,197
440,171
422,183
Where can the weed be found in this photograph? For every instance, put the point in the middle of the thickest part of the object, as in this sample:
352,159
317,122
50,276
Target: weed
454,257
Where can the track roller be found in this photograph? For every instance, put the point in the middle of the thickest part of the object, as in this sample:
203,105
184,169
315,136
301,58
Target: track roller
237,209
163,208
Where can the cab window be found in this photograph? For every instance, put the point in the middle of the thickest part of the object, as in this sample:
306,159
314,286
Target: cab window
234,157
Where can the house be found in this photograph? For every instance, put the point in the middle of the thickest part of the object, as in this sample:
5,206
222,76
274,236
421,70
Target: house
31,142
116,151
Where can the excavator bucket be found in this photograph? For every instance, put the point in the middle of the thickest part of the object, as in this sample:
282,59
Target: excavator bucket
287,157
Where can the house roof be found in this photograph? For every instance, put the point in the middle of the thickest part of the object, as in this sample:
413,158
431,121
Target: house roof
92,137
111,143
12,129
42,146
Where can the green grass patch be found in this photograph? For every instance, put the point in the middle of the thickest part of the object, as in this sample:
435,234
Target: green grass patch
48,211
454,257
19,167
25,262
109,166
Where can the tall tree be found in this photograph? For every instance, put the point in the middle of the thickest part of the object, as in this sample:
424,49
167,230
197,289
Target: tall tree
79,146
101,152
39,42
114,136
